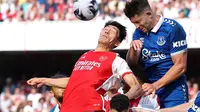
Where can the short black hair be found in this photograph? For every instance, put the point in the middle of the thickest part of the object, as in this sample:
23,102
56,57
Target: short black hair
56,76
122,29
119,102
134,7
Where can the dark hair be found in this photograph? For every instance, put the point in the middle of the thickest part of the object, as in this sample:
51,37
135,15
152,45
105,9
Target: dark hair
56,76
134,7
122,29
119,102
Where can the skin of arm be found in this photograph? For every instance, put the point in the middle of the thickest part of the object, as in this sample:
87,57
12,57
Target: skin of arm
178,69
135,90
133,53
59,82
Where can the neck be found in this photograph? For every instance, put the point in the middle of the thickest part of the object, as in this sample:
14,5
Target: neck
101,47
157,17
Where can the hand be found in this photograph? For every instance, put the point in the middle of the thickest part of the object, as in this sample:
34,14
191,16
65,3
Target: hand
36,82
149,89
136,44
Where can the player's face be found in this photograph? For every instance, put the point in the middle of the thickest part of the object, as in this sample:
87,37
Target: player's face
109,35
58,93
143,21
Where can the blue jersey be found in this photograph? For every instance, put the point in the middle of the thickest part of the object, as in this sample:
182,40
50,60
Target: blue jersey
166,39
55,109
196,106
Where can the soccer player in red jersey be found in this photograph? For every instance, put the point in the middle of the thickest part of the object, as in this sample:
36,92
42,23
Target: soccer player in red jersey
95,73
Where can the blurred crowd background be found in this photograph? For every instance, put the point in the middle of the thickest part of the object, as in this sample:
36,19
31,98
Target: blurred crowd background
17,96
62,10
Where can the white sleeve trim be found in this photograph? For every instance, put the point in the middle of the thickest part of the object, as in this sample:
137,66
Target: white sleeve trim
178,52
120,67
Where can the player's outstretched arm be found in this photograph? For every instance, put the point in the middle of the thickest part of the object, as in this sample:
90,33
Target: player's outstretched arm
38,82
178,69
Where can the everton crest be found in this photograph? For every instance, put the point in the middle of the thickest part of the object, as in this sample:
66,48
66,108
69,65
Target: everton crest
161,41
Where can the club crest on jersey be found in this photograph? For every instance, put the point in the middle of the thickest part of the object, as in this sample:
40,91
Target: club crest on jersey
142,39
161,41
83,57
103,58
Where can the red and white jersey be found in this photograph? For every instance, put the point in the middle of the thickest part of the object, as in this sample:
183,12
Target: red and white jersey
93,74
142,103
145,103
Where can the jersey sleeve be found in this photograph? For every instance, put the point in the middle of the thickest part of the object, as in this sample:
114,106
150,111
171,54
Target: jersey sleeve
178,42
136,34
120,67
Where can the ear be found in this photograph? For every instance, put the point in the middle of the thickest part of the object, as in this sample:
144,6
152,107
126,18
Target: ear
117,43
52,94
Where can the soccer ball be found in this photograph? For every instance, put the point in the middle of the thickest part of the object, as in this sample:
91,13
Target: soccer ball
85,9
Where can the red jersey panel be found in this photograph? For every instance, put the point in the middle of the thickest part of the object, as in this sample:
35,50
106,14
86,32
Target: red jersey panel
93,74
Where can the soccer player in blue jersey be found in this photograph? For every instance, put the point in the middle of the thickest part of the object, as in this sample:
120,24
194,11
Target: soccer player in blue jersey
57,93
159,44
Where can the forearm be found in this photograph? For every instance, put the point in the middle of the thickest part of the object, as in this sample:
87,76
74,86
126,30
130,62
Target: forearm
180,108
132,56
134,92
60,82
173,73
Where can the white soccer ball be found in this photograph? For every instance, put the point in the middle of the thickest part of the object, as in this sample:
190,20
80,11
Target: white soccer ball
85,9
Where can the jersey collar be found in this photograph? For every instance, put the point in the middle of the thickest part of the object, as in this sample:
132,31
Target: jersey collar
155,29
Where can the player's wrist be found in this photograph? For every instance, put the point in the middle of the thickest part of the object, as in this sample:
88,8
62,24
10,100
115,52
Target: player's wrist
156,86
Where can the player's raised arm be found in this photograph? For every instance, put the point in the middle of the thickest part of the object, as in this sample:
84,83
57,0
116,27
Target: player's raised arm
133,53
178,51
127,75
38,82
135,90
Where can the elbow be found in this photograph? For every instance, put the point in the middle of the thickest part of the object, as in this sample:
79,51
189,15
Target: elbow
131,61
183,68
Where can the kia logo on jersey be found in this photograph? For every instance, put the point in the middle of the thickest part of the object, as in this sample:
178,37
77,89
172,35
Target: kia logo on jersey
179,43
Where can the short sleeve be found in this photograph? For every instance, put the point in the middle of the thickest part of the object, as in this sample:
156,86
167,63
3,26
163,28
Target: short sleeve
120,67
136,34
178,42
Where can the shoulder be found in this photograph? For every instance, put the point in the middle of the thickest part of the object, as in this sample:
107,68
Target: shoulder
170,22
118,59
171,25
138,32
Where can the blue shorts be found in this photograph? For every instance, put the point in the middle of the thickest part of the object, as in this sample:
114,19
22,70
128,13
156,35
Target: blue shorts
173,95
